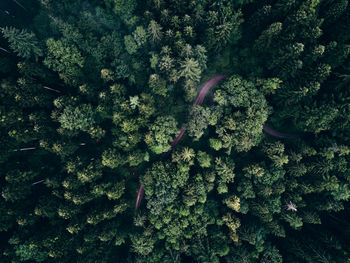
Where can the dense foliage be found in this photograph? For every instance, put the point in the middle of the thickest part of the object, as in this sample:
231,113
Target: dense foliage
93,93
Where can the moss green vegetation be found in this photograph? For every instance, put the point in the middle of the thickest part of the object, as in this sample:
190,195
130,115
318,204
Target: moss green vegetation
101,98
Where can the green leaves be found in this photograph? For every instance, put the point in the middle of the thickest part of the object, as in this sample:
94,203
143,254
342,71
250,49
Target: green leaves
140,36
224,170
267,37
204,159
65,59
112,159
78,118
161,134
31,252
199,119
103,92
161,186
188,154
190,70
123,8
24,43
223,27
246,108
154,31
130,44
134,102
157,85
142,243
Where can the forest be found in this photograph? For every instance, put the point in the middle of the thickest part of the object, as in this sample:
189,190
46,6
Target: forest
170,131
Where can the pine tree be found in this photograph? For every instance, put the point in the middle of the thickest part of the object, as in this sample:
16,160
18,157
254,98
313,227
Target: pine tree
24,43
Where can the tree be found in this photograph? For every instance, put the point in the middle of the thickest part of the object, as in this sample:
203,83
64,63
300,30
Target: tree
224,170
123,8
161,133
130,44
318,118
188,154
25,44
190,70
275,152
195,192
233,202
30,252
201,56
268,37
154,31
271,254
204,159
200,118
158,85
91,94
65,59
78,118
209,249
215,144
112,159
249,109
233,224
140,36
161,184
142,244
223,27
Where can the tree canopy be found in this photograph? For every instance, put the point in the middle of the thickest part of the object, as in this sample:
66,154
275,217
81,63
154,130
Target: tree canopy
175,131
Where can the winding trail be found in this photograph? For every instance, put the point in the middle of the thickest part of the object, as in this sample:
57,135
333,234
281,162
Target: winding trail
199,100
206,87
175,141
178,137
280,135
139,197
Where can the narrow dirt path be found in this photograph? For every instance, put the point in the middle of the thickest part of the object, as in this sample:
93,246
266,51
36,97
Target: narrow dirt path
280,135
206,87
139,197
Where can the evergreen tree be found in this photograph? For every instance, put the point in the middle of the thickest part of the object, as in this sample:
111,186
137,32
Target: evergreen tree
24,43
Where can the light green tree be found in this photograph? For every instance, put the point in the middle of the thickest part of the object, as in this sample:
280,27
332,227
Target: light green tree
25,44
161,134
64,59
81,117
190,69
154,31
